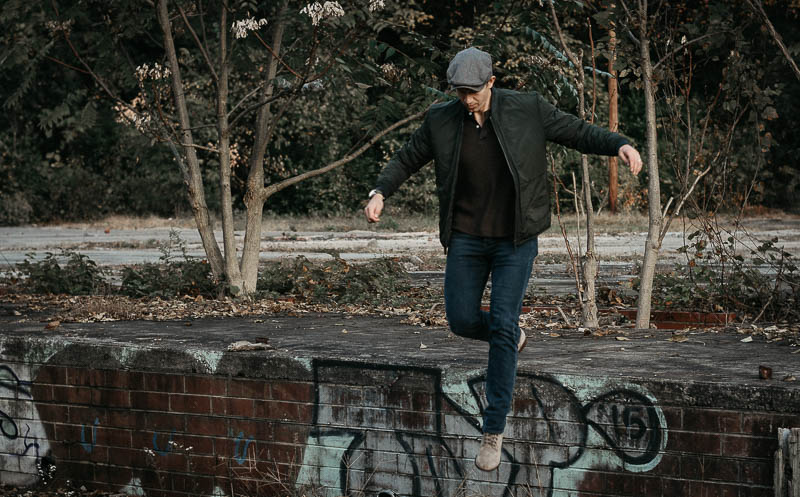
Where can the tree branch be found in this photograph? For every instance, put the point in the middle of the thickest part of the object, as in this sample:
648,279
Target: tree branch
630,18
682,46
67,65
277,57
567,51
677,210
274,188
564,230
199,43
89,70
759,10
254,106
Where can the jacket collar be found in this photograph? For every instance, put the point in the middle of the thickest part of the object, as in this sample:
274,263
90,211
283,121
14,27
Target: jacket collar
495,100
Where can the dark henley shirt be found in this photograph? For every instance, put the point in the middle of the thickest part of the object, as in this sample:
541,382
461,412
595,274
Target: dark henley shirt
484,199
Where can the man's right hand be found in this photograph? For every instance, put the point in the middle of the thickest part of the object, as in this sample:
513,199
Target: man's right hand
374,208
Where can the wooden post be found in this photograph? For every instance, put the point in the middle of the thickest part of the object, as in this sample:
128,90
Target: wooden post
613,119
787,463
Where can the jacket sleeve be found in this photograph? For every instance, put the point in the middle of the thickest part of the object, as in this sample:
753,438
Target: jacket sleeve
569,130
414,154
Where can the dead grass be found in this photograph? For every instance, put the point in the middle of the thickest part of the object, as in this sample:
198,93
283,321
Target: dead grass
391,222
356,221
121,222
604,223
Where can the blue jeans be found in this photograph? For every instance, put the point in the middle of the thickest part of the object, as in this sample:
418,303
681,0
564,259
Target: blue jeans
470,260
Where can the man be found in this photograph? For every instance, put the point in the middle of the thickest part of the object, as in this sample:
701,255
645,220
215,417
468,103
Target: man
491,178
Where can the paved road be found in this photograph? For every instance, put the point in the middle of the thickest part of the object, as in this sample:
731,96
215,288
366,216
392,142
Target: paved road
120,247
618,253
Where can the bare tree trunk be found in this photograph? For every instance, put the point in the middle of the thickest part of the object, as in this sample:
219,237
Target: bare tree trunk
254,197
193,178
589,261
613,119
589,303
234,275
653,243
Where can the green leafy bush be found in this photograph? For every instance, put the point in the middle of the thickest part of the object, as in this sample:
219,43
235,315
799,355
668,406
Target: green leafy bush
190,277
67,272
174,275
379,282
716,277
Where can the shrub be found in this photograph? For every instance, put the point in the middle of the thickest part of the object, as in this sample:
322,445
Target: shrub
717,278
173,275
78,276
379,282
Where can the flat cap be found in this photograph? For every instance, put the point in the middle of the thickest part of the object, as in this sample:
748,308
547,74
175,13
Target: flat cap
470,68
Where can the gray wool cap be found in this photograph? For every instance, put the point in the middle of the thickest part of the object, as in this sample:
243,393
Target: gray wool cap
470,68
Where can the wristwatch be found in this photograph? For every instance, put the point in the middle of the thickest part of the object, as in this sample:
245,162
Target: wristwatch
374,192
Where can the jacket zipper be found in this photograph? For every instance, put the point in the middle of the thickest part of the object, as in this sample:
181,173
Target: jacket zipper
449,227
501,139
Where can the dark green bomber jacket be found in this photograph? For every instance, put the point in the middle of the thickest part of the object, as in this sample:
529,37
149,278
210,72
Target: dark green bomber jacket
523,123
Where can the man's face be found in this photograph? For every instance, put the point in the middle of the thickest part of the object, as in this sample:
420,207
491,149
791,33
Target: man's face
477,101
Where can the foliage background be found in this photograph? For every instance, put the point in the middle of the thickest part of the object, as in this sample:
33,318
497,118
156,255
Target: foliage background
65,156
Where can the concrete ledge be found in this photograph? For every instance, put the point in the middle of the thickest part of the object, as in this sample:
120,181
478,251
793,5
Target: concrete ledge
354,403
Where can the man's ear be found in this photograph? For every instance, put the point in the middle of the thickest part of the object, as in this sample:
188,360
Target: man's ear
490,83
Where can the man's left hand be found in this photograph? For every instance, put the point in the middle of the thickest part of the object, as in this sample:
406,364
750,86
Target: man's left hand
631,157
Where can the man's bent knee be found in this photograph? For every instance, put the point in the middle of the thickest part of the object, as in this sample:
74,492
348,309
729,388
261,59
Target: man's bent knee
465,327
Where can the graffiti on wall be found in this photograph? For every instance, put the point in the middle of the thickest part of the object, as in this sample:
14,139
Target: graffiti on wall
22,437
409,431
559,427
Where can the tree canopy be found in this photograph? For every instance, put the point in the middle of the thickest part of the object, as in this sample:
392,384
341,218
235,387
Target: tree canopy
81,135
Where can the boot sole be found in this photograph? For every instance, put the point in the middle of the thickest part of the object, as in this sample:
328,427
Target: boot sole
486,469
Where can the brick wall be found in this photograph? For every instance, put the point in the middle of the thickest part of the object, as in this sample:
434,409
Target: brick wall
262,427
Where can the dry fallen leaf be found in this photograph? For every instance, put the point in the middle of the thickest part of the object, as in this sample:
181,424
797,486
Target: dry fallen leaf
746,340
344,330
790,377
423,346
622,338
52,325
678,338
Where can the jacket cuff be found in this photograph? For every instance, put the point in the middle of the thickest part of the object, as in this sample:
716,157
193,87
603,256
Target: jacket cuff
620,143
380,189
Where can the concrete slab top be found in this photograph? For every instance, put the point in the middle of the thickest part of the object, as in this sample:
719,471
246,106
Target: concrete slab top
708,357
